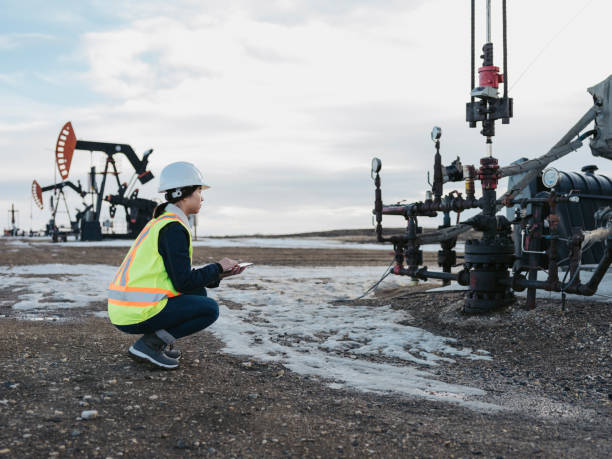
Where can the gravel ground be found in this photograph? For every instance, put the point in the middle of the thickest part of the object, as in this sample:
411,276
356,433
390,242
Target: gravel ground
34,253
550,373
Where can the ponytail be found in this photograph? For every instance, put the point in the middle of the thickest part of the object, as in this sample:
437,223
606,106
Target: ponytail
160,209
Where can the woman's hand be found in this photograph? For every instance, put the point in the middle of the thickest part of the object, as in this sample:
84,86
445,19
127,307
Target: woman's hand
230,267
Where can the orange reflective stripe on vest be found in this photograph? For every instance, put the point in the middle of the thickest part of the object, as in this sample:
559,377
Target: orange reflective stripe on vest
123,273
141,286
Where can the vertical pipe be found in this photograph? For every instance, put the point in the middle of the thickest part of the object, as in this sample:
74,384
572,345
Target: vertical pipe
473,50
535,244
505,45
553,255
378,208
488,21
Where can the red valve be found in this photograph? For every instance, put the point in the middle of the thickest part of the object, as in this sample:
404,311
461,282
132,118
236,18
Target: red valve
488,173
489,76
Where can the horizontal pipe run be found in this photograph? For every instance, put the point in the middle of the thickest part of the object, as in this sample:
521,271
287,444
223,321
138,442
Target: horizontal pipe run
426,208
424,274
462,277
594,196
588,289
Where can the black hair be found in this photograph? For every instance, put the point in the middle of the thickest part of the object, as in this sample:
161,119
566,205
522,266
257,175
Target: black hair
186,191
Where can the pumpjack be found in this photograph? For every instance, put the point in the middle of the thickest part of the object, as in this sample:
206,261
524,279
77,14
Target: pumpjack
138,211
554,219
52,229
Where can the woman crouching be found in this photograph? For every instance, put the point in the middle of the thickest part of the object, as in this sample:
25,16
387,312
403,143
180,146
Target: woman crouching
156,292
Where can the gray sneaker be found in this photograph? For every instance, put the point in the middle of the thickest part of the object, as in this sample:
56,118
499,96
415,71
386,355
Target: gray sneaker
173,353
150,348
168,346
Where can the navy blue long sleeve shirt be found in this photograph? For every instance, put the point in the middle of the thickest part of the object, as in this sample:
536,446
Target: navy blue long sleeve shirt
173,246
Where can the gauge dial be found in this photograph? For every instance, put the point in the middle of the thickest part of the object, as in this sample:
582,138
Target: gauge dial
550,177
376,165
436,133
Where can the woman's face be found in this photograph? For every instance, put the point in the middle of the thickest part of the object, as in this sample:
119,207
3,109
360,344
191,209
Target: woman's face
193,202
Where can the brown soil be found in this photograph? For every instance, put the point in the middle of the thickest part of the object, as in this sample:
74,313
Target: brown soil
56,253
550,369
357,235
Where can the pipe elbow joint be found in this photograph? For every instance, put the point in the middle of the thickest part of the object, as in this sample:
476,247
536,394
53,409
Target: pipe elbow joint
585,290
463,277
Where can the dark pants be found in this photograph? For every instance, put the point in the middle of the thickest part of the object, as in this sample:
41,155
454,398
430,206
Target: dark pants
183,315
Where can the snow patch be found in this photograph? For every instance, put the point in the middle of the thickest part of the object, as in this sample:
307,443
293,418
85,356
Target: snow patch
286,314
56,286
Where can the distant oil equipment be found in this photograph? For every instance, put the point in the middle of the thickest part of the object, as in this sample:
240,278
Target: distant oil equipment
54,228
13,228
86,226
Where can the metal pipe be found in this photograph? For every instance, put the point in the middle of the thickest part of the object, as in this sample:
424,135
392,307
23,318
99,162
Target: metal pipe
569,135
488,21
429,207
541,162
424,274
473,46
378,206
599,197
505,48
553,252
590,287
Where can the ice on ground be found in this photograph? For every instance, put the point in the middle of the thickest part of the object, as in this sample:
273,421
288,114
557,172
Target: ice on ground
18,243
286,315
56,286
271,243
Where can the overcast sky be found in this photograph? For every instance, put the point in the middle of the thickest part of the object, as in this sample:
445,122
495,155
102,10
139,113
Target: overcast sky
283,103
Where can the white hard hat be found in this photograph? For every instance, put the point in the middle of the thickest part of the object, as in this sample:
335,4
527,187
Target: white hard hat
179,175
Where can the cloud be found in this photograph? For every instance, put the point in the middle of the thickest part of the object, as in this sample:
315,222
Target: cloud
16,40
283,103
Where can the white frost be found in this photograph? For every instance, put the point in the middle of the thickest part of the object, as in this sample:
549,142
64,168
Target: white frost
75,287
287,315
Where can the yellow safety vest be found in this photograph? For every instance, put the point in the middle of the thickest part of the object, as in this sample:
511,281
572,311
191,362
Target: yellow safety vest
141,287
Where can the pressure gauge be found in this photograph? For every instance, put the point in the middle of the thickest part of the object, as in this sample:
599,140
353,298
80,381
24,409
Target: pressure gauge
436,133
376,165
550,177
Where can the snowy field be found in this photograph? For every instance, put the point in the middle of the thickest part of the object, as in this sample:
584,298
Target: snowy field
271,243
287,315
